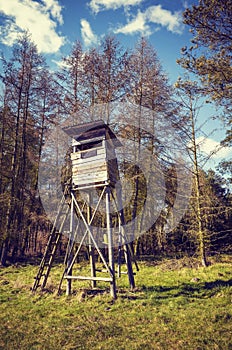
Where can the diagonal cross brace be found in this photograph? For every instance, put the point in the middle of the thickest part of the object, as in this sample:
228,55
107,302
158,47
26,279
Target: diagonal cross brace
90,233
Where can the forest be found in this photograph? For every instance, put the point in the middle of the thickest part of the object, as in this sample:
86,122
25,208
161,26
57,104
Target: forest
34,100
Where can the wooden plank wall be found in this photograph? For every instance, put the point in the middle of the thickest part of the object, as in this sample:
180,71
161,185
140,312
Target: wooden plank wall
100,167
89,170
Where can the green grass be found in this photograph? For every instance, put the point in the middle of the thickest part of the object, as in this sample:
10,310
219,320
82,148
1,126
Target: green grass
173,307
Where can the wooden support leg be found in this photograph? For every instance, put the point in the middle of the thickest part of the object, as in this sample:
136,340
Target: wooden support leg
69,258
110,245
91,248
129,266
69,284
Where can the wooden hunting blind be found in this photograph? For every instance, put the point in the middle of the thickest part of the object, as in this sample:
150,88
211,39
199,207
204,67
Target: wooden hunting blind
94,164
93,155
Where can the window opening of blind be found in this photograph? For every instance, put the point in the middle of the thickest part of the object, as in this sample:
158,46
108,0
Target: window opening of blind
89,153
90,145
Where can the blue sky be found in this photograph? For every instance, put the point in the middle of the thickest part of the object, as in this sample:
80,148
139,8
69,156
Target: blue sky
56,24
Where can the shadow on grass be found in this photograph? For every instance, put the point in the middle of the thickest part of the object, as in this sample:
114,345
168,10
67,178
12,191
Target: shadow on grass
191,290
188,290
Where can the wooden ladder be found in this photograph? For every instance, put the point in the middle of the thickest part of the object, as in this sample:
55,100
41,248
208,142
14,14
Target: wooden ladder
51,247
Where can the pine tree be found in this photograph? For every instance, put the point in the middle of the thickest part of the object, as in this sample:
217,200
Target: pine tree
209,56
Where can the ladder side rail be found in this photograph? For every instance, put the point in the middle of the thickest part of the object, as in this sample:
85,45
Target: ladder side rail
55,245
48,246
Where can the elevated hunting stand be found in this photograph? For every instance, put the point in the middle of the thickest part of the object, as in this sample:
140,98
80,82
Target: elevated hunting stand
94,172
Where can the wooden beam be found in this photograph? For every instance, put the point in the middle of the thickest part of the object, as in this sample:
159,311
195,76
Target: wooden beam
91,249
110,244
89,278
105,271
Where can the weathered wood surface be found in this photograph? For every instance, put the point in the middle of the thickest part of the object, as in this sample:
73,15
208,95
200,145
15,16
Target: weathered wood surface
90,177
89,278
94,169
94,166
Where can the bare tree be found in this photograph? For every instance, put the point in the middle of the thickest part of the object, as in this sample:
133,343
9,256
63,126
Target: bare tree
190,95
21,78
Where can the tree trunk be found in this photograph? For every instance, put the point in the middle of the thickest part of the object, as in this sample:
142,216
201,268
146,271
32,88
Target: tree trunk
4,252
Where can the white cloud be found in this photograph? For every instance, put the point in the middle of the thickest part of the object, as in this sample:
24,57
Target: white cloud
153,14
138,24
165,18
39,19
100,5
88,35
54,7
213,148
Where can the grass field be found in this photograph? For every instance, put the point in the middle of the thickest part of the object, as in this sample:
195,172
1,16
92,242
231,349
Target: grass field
174,306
